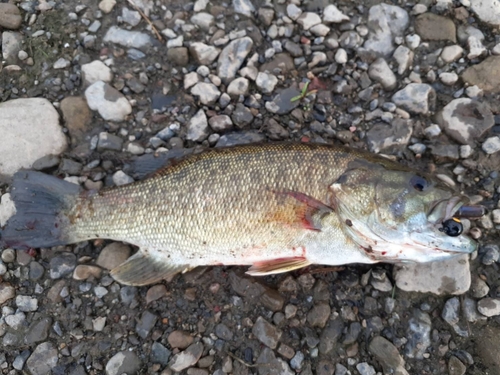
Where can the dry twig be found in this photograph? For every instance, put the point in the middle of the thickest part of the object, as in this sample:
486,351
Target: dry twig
158,35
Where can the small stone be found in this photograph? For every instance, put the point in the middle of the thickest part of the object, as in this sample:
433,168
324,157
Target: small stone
451,53
486,75
404,57
223,332
126,362
244,7
476,48
10,16
418,335
491,145
121,178
100,291
113,255
61,63
381,72
488,11
11,45
128,39
430,26
99,323
220,123
145,324
62,265
416,98
207,93
455,366
238,86
203,54
180,339
107,5
160,354
387,354
479,288
187,358
331,14
155,293
448,78
341,56
84,271
266,333
293,11
297,361
43,359
365,369
450,315
318,315
231,58
384,136
198,129
77,117
266,82
308,20
109,102
489,306
8,255
203,20
178,56
131,17
242,116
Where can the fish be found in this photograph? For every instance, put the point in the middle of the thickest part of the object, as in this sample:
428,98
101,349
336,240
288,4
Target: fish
275,207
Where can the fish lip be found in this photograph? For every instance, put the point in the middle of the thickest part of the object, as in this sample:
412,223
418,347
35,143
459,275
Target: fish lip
444,209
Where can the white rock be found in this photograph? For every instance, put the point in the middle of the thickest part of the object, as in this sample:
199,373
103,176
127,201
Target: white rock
496,50
129,39
135,149
61,63
109,102
293,11
7,208
495,214
380,72
419,9
244,7
451,53
413,41
266,82
204,54
465,151
487,10
415,97
491,145
238,86
385,22
107,5
203,20
200,5
308,20
404,57
99,323
208,93
176,42
432,131
11,44
473,92
132,17
476,48
29,130
169,33
120,178
448,78
96,71
320,30
451,276
489,306
198,129
341,56
331,14
191,79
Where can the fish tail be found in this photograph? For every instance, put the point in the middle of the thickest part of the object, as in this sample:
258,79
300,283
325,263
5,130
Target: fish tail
42,204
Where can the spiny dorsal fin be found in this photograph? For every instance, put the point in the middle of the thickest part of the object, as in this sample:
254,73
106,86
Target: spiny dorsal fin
277,266
141,270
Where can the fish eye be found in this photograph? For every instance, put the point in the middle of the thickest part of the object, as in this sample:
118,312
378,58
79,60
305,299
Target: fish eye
452,227
419,183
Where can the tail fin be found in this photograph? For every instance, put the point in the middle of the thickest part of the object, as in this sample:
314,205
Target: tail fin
41,202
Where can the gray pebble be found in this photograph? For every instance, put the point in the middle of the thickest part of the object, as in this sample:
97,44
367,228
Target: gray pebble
62,265
418,334
266,333
26,303
43,359
145,324
223,332
159,354
125,362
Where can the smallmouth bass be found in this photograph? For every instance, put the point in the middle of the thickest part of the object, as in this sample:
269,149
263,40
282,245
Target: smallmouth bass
275,207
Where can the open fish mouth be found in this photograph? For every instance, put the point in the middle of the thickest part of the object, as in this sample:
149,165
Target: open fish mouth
454,208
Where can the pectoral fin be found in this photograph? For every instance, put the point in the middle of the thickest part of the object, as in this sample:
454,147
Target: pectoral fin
299,209
277,266
141,269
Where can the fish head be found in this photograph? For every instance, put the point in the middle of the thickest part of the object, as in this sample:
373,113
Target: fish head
399,215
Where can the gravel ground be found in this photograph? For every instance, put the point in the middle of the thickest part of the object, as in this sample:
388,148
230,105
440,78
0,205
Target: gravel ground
90,91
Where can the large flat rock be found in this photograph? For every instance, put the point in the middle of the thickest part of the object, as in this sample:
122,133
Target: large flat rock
29,130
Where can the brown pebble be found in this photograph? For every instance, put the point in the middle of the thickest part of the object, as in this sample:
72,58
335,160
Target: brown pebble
84,271
113,255
6,292
155,293
180,339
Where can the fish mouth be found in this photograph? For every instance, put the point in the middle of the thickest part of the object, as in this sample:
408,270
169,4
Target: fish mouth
454,207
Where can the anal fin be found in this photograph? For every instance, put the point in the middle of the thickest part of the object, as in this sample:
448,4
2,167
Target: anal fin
141,270
277,266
